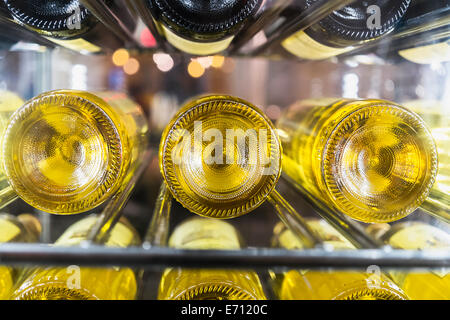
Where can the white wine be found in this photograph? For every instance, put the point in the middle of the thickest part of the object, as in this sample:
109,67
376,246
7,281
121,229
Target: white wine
424,284
372,160
332,284
205,284
68,151
83,283
23,228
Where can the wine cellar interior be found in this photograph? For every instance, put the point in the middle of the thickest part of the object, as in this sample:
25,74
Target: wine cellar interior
123,76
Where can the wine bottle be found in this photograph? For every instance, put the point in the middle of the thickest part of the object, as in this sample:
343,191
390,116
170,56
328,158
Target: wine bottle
23,228
201,27
82,283
205,284
423,284
68,151
332,284
220,156
67,23
344,29
372,160
435,115
9,103
427,47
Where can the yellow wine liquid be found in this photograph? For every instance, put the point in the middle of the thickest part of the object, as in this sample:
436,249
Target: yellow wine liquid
333,284
220,156
9,102
68,151
370,159
82,283
420,285
24,228
204,284
436,116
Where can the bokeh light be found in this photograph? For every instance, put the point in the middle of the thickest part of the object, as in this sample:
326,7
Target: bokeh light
131,67
195,69
120,57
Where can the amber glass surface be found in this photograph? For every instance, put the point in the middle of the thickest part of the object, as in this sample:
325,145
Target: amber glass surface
330,284
422,284
68,151
373,160
82,283
220,156
205,284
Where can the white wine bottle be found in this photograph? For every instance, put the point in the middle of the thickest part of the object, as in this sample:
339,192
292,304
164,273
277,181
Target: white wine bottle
372,160
82,283
23,228
68,151
332,284
206,284
420,284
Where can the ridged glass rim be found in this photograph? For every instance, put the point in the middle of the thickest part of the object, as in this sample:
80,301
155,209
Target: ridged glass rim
381,291
40,289
106,127
220,287
186,115
330,147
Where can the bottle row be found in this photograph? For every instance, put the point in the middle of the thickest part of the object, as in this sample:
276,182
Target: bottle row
200,28
75,282
67,152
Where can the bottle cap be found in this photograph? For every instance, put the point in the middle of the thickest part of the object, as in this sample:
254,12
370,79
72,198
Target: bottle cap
220,156
62,153
206,16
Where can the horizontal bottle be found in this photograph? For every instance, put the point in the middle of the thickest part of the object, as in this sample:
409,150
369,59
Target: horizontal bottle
426,47
331,284
206,284
343,30
68,151
23,228
201,27
68,23
372,160
435,114
422,284
82,283
9,103
220,156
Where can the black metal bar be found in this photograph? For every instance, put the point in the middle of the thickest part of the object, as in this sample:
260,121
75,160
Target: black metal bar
256,24
307,18
349,228
262,258
144,12
106,16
